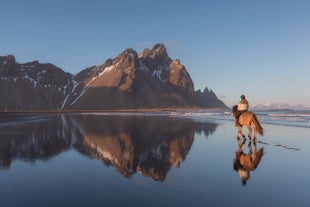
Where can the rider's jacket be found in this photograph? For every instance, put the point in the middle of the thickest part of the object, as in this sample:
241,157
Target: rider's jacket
243,105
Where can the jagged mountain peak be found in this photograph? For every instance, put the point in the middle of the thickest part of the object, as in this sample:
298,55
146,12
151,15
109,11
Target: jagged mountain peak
7,59
127,60
208,91
129,51
148,80
160,50
208,98
157,54
9,67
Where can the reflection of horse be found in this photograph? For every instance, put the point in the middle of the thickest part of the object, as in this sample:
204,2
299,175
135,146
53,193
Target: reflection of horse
244,163
248,118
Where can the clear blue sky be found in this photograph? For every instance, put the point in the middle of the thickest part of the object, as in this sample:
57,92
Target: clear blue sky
257,48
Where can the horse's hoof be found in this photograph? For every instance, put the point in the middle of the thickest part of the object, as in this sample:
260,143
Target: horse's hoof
243,136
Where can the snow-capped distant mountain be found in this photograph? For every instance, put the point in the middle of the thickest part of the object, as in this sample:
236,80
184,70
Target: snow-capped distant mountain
277,106
129,81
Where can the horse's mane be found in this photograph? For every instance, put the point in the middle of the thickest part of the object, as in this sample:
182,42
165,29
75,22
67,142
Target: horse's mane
234,109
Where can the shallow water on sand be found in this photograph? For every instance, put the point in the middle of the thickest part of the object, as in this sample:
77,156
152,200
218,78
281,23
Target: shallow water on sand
104,160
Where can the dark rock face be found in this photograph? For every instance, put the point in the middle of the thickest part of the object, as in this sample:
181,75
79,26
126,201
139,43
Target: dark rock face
208,98
32,86
159,65
129,81
148,80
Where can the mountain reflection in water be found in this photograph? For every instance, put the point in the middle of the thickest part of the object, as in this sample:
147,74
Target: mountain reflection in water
148,145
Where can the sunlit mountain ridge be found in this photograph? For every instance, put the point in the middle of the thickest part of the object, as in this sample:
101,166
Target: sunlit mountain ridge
129,81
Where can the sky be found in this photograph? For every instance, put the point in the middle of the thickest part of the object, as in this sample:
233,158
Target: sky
257,48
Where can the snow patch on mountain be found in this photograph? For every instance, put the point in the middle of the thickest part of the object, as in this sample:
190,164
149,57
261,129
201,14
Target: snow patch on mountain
143,67
157,73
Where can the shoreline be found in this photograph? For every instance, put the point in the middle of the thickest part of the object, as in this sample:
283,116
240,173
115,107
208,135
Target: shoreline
112,110
214,114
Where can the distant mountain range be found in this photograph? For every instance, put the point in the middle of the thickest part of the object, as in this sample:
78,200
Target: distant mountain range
277,106
129,81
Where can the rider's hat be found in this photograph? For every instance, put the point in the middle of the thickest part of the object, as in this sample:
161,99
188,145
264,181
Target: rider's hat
242,96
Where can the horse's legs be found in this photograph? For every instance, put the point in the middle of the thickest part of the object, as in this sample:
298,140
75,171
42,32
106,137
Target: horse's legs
250,131
255,133
250,148
238,136
240,132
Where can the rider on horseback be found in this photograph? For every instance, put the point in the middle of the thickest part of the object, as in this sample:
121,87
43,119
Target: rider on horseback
242,107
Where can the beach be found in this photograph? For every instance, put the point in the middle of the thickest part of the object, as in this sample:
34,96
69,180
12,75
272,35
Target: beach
163,158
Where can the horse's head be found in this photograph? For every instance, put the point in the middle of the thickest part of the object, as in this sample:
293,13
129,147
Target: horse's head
234,108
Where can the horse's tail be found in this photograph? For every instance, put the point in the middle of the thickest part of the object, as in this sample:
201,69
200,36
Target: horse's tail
257,125
258,157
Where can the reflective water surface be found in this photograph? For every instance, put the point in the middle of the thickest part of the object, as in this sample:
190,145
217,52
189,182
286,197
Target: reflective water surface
96,160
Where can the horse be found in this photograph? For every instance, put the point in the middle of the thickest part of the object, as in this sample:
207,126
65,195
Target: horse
246,162
248,119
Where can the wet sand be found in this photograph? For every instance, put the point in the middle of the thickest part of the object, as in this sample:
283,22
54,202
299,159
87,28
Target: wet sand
79,160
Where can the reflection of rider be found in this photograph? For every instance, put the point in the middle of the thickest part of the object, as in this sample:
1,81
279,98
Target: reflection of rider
244,163
242,107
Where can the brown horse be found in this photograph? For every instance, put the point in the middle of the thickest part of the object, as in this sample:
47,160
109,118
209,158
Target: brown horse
249,120
246,162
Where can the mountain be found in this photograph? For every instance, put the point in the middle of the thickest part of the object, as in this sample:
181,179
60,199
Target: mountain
32,86
148,80
129,81
277,106
209,98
